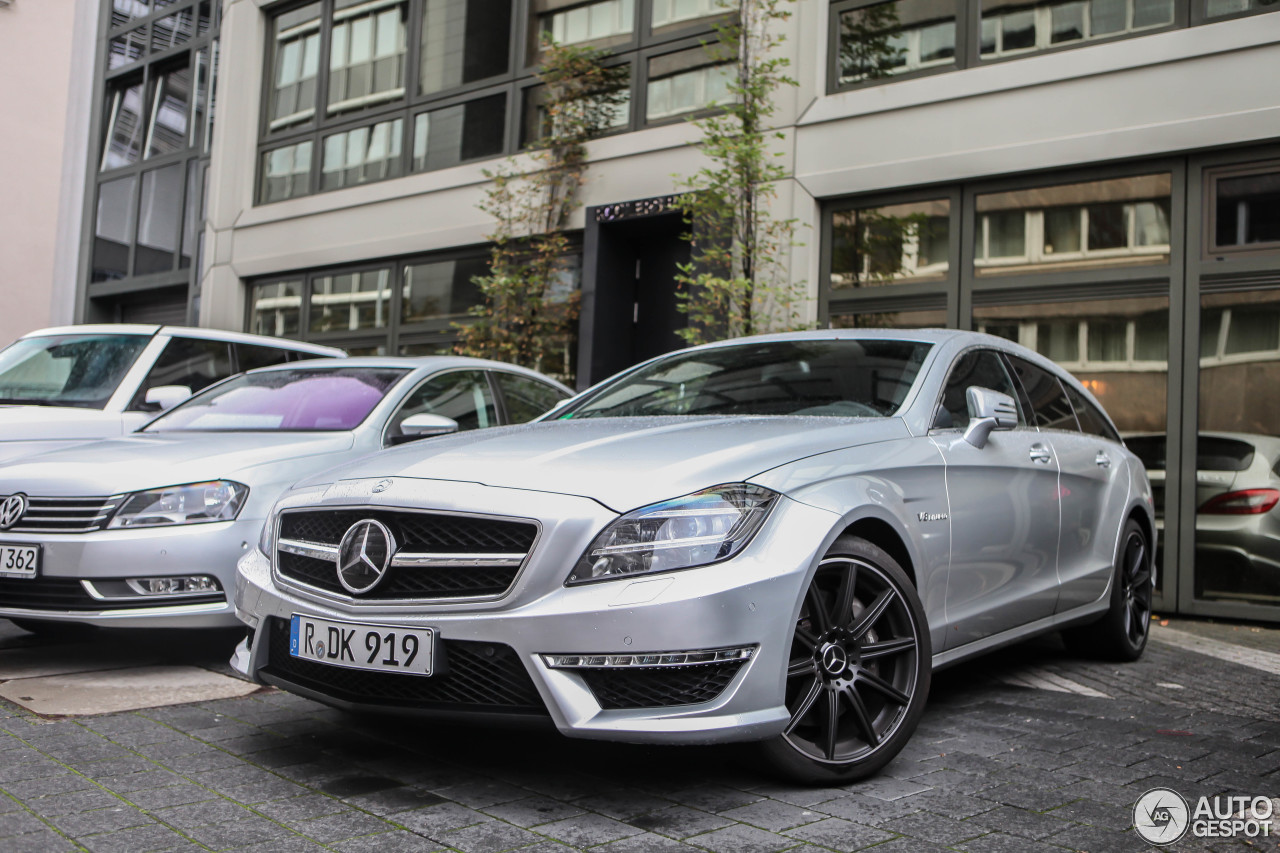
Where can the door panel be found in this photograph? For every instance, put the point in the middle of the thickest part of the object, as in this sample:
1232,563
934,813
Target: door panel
1094,490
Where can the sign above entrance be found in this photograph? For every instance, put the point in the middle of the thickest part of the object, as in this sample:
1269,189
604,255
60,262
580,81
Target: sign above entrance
633,209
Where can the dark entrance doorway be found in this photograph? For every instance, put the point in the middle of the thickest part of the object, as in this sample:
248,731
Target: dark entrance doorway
630,253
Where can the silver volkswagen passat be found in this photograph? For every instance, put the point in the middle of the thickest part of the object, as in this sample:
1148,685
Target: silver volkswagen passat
771,539
145,530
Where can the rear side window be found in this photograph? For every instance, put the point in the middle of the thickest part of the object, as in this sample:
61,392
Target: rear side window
525,397
982,368
463,395
1091,420
1049,404
1150,449
252,355
1223,454
194,362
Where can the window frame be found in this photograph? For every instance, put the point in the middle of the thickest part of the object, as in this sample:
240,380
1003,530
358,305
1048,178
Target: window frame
1209,249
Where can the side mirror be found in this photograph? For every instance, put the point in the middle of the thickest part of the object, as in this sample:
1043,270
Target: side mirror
988,410
424,426
167,396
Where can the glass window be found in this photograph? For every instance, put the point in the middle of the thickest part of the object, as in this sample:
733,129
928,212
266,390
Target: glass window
463,41
1049,404
67,370
159,215
667,13
113,231
883,39
277,309
316,399
295,50
170,112
463,395
525,397
441,290
124,11
361,155
1246,210
684,82
366,53
890,244
192,213
351,301
1010,28
126,48
1092,421
604,111
1218,8
453,135
980,368
124,127
601,22
193,362
180,27
1119,222
926,318
251,356
286,172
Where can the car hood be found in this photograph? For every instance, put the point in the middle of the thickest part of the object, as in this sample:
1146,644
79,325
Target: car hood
136,462
622,463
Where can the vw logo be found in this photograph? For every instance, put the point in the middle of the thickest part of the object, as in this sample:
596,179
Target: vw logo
12,509
834,659
364,555
381,486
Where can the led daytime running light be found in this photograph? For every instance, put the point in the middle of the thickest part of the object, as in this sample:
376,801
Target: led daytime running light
649,659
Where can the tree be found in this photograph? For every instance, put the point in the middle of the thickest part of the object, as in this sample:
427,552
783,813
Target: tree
737,282
528,315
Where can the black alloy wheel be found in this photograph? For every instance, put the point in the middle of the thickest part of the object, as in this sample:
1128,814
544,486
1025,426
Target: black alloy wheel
1121,634
859,668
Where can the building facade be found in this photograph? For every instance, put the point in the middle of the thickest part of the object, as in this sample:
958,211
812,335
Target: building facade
1098,179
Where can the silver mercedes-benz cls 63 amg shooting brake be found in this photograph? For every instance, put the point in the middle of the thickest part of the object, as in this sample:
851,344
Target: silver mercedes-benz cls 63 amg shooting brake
771,539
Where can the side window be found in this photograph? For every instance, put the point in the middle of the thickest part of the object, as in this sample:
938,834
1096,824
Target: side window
1049,403
463,395
977,367
252,355
193,362
524,397
1091,420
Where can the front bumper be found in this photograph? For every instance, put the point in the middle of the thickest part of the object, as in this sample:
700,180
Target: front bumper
73,568
751,600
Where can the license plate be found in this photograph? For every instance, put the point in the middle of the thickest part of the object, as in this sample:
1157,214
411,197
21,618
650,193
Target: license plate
19,561
381,648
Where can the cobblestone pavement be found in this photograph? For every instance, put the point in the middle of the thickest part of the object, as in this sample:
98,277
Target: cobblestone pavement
1025,750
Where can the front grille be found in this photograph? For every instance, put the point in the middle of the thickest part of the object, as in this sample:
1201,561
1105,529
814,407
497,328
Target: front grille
417,533
66,515
68,594
469,676
659,687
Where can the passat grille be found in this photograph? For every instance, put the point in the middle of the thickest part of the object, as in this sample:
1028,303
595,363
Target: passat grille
659,687
469,676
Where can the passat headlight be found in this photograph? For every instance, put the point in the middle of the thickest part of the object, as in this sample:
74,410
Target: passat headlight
193,503
697,529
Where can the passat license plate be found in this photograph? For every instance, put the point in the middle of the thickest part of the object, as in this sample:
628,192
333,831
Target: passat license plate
19,561
381,648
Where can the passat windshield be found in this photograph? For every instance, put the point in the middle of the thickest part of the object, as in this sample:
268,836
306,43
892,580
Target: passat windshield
832,378
300,400
81,370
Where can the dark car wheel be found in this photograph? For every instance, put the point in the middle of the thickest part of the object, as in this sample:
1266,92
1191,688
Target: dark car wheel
1122,633
859,669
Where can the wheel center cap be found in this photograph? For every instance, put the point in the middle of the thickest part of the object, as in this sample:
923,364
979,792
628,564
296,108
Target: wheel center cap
834,659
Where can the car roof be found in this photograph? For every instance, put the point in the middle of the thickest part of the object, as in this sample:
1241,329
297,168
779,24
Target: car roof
437,362
150,330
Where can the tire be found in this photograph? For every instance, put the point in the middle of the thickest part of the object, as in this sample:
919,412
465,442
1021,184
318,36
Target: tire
859,671
1121,634
54,630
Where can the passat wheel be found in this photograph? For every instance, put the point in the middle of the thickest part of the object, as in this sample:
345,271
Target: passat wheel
859,668
1121,634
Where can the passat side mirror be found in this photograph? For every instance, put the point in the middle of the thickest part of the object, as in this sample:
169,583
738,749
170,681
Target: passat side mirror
424,425
167,396
988,410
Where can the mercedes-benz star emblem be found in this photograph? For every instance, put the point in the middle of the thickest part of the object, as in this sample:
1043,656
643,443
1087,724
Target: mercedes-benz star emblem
834,659
364,555
12,509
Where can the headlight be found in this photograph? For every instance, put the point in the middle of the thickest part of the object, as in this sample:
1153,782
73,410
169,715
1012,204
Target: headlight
264,538
194,503
697,529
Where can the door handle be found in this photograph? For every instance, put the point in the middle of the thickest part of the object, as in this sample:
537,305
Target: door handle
1103,460
1040,453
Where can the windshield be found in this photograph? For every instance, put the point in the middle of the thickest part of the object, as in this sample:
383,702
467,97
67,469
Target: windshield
67,370
832,378
301,400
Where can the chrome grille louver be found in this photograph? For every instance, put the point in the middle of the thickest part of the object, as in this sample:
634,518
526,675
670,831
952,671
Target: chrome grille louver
66,515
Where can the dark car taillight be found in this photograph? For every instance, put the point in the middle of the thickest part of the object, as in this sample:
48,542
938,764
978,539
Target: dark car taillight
1243,502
